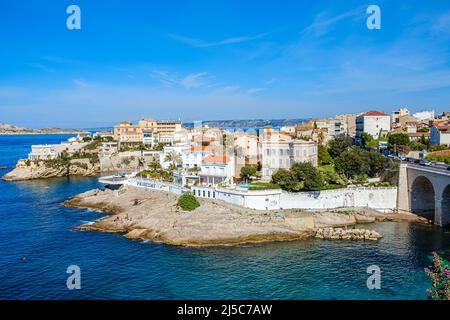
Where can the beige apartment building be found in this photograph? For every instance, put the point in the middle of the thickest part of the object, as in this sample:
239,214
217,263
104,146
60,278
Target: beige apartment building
282,154
168,127
127,133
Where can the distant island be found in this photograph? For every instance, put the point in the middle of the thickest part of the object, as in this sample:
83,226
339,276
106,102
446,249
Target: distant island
9,129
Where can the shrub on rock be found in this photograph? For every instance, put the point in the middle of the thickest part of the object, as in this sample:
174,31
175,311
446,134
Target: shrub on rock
188,202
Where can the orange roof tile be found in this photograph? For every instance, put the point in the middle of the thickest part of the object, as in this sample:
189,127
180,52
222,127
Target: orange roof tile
372,113
213,159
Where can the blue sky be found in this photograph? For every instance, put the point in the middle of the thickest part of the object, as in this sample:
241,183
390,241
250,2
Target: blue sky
202,60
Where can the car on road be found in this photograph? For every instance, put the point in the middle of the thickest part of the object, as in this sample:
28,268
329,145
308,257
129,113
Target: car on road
448,168
425,163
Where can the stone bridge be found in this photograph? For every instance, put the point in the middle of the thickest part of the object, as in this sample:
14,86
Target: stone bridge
425,191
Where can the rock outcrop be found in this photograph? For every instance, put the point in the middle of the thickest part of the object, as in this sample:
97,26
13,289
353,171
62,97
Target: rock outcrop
42,169
153,215
347,234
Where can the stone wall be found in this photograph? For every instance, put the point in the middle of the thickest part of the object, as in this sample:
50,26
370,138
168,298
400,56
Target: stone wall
384,199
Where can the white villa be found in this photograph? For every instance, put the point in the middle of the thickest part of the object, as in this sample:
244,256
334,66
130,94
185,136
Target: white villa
216,169
193,156
43,152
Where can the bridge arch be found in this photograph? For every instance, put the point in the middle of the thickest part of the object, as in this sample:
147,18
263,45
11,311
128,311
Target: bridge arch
445,205
423,197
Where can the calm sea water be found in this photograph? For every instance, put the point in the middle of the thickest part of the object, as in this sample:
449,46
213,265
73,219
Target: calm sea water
38,243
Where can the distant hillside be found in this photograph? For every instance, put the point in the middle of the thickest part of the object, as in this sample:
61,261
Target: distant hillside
255,123
9,129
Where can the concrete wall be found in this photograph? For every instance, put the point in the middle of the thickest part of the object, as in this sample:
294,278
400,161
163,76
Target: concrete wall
384,199
259,200
156,185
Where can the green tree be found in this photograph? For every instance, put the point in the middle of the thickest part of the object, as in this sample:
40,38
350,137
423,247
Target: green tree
324,157
398,139
376,163
287,180
366,138
154,165
330,176
417,146
247,172
350,163
174,158
308,174
339,144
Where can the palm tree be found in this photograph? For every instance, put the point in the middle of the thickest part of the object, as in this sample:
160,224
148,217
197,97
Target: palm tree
154,165
175,159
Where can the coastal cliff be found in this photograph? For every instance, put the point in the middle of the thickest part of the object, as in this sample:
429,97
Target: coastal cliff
154,215
28,170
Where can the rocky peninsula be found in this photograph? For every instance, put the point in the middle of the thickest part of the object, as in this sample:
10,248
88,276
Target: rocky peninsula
9,129
153,215
47,169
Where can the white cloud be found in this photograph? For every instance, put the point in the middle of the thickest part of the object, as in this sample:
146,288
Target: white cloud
198,43
255,90
194,80
323,23
82,83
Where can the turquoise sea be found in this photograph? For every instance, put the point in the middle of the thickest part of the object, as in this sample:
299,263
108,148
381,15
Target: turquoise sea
38,243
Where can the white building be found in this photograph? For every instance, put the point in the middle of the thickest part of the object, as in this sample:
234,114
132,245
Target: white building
283,154
399,113
193,156
150,138
42,152
108,148
440,134
373,123
247,149
216,169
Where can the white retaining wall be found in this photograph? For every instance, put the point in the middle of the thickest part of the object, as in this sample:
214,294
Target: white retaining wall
376,198
156,185
383,199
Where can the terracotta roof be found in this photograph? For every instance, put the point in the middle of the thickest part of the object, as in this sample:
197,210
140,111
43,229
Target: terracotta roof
372,113
213,159
447,127
419,134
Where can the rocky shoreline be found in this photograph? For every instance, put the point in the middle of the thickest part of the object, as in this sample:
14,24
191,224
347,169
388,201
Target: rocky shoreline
40,170
153,215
